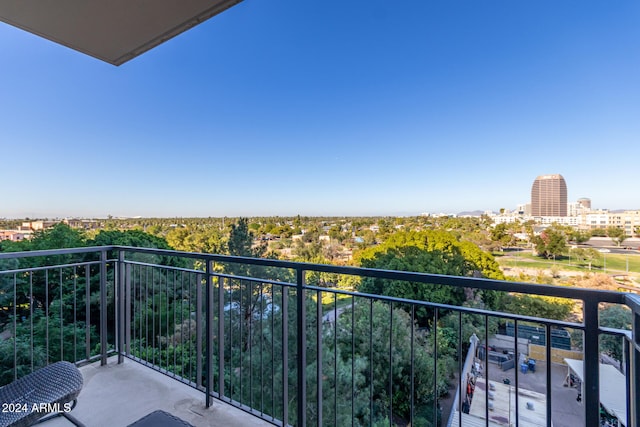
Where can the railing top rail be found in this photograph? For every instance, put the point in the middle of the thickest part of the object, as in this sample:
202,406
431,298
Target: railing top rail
633,301
457,308
49,267
214,274
439,279
465,282
52,252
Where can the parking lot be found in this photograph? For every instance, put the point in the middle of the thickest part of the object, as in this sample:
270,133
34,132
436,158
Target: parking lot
565,409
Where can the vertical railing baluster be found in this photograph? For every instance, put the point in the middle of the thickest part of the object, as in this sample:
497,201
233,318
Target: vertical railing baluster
460,362
412,368
46,314
353,366
194,376
335,358
183,341
128,305
515,332
177,305
434,331
154,341
371,362
103,307
250,310
147,297
391,363
221,341
634,372
319,357
273,356
487,387
120,304
548,356
15,327
626,354
142,304
75,313
240,340
262,347
301,314
87,312
31,314
285,356
230,304
208,332
61,317
199,330
168,297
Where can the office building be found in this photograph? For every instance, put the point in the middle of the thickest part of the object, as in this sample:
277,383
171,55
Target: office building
549,196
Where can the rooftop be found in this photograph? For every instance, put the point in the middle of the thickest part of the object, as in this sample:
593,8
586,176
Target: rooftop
114,31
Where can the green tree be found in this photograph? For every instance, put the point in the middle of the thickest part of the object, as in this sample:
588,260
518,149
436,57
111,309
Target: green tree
618,317
539,306
551,243
45,339
207,240
586,255
617,235
502,234
358,350
579,236
429,251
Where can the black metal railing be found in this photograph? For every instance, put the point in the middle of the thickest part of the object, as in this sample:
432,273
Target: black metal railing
254,333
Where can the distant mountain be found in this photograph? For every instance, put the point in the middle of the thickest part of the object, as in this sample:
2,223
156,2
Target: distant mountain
471,213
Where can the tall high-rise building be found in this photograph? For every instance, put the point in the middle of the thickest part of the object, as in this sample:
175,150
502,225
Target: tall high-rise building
549,196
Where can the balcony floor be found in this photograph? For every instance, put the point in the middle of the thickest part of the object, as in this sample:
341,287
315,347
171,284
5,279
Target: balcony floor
117,395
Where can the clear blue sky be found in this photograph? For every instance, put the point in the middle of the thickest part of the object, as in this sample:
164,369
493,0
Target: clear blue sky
362,107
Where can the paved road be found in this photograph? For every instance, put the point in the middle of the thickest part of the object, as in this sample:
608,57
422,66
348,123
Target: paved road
330,316
607,243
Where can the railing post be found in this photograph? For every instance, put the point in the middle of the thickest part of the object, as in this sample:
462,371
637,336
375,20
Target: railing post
208,332
103,307
633,373
591,363
285,356
302,347
319,356
120,305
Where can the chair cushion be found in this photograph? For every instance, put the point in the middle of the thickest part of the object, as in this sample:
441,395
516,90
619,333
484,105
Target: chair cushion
160,419
44,391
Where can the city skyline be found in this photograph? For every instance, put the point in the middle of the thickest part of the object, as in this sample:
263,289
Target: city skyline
337,109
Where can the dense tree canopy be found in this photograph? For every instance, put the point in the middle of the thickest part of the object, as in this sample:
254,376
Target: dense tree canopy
430,251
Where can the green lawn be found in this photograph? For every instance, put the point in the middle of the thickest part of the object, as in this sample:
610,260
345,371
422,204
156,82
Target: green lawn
329,303
614,262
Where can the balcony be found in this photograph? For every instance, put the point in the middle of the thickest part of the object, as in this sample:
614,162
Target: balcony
264,341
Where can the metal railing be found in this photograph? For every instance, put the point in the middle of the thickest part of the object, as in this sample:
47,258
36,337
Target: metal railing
254,333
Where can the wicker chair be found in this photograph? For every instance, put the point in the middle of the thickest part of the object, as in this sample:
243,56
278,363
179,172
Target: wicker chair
51,390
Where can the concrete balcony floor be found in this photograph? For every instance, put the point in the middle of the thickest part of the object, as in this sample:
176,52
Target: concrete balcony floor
117,395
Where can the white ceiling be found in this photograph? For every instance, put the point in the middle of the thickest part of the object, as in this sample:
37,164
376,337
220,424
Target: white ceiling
114,31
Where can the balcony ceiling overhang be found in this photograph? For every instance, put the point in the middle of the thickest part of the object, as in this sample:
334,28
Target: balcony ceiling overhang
114,31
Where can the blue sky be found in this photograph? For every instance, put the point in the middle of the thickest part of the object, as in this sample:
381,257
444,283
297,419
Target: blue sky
286,107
